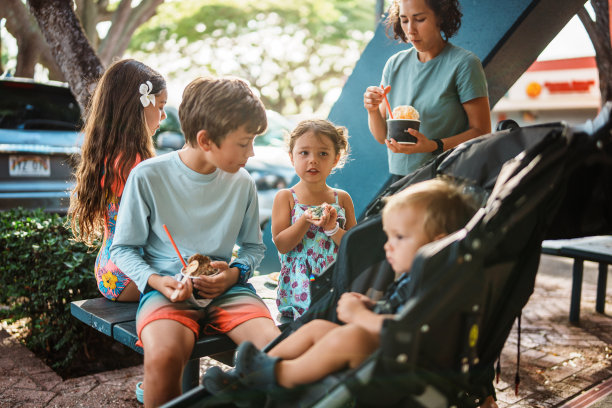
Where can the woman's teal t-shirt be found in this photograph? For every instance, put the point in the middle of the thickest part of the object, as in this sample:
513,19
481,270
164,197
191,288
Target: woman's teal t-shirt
436,89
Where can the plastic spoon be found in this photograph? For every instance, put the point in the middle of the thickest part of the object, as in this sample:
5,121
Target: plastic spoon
387,102
185,277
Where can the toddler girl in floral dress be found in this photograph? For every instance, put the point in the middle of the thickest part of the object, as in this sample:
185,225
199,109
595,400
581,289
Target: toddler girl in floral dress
305,228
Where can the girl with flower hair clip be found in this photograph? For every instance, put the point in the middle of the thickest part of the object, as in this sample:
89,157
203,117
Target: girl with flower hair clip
124,114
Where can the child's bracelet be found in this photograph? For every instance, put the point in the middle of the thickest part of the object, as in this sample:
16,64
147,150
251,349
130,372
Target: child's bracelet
332,231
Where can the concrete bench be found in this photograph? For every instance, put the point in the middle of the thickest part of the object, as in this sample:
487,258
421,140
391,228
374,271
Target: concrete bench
595,249
117,320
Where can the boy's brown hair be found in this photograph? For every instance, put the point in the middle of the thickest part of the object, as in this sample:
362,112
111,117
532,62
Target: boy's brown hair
446,208
220,106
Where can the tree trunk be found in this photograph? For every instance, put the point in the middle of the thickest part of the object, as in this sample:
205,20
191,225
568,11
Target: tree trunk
125,21
31,44
88,14
69,46
1,65
599,33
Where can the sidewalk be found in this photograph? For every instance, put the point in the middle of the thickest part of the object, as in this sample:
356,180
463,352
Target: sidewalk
558,361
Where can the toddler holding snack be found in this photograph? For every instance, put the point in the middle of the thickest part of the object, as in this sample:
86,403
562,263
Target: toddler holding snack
209,203
305,228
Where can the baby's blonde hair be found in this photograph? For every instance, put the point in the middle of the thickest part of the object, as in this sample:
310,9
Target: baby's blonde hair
322,127
446,208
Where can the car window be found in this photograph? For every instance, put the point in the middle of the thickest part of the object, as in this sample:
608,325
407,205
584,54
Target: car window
278,128
30,106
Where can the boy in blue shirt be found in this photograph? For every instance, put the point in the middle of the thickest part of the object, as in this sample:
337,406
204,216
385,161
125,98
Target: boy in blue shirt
209,204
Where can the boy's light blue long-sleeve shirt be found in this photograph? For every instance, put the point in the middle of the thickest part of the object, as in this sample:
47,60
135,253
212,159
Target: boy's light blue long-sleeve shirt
205,213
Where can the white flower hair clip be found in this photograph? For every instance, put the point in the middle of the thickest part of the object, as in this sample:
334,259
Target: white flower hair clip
146,98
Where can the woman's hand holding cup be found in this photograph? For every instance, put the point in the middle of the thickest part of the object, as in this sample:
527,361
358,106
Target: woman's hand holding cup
422,145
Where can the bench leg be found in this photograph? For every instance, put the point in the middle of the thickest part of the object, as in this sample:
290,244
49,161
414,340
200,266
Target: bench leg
574,316
191,375
602,280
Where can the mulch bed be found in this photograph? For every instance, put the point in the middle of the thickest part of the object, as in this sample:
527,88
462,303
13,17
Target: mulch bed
101,353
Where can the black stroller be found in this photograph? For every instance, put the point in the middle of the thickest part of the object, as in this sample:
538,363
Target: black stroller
541,182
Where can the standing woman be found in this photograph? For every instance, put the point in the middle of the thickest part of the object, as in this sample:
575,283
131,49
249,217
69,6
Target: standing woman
125,111
445,83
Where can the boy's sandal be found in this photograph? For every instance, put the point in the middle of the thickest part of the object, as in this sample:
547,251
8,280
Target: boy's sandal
139,393
255,368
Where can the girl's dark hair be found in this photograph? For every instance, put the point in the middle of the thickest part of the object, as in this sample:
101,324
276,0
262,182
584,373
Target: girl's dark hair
448,13
116,136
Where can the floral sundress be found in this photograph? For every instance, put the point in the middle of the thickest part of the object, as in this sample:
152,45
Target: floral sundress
111,280
308,259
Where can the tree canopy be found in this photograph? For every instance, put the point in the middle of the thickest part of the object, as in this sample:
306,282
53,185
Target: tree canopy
116,19
293,53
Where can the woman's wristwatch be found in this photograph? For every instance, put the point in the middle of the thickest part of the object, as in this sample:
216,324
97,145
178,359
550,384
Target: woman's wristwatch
440,147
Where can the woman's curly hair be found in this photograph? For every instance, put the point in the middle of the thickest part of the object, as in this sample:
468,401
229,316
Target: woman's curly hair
448,13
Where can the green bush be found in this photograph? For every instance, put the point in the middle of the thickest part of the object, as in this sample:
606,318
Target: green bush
41,271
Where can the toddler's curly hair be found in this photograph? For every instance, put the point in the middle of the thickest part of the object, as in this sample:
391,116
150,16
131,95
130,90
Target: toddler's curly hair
322,127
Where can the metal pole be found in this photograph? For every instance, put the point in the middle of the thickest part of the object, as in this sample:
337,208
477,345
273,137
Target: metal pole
602,280
576,290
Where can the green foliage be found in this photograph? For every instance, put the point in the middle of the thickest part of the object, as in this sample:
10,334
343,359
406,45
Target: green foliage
327,21
297,55
42,271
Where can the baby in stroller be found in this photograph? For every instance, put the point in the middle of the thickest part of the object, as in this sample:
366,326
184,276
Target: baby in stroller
416,216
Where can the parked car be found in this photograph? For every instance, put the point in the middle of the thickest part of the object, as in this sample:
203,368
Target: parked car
40,136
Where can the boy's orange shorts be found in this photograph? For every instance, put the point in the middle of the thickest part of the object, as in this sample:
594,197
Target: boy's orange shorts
234,307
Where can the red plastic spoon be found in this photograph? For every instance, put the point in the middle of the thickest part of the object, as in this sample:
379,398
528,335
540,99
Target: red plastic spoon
387,101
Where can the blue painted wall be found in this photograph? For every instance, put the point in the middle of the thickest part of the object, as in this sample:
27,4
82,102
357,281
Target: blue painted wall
486,25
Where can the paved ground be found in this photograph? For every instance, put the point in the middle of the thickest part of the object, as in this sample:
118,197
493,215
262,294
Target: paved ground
559,361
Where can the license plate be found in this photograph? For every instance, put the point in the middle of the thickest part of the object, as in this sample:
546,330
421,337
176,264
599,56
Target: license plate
29,166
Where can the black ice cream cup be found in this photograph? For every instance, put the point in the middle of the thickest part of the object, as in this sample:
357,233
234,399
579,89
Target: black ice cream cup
398,129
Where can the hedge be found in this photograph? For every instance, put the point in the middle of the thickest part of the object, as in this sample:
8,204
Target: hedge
42,270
